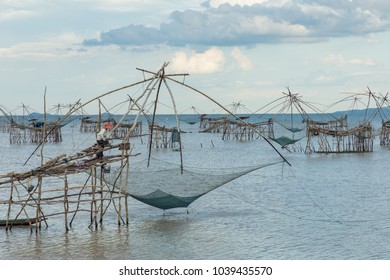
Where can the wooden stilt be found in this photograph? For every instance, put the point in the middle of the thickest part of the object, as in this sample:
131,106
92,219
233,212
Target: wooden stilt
37,217
66,202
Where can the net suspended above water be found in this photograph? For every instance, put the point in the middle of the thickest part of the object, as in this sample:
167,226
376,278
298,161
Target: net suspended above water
284,141
165,186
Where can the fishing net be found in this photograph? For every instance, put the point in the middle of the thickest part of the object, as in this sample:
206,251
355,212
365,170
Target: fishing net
164,185
284,141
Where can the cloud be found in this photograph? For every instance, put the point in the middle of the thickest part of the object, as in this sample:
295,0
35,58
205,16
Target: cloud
275,3
212,60
334,58
367,62
243,61
52,47
10,14
325,79
245,22
339,60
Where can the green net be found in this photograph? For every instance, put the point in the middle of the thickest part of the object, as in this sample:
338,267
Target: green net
284,141
164,185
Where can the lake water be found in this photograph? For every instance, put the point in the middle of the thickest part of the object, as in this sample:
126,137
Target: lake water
334,206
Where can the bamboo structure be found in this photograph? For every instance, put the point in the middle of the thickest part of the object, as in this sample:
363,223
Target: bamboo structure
212,124
124,129
163,137
89,125
287,117
356,139
338,137
93,126
4,127
6,121
235,129
34,134
35,200
53,188
385,133
241,132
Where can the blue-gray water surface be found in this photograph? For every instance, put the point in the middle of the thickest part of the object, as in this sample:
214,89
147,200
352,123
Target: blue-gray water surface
333,206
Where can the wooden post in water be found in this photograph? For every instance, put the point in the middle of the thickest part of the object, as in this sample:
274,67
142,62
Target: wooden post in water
127,183
93,202
101,198
66,202
93,172
120,196
37,218
9,206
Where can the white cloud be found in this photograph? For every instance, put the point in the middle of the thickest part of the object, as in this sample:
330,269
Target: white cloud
117,5
264,25
126,6
243,61
339,60
216,3
324,78
51,47
334,58
234,24
367,62
212,60
7,15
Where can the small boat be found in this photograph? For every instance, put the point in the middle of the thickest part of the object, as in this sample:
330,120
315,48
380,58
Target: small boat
19,222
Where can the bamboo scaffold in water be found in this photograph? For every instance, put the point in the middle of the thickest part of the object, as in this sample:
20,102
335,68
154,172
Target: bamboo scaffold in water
34,200
40,200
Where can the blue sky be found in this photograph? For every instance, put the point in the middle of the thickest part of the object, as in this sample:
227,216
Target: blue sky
246,51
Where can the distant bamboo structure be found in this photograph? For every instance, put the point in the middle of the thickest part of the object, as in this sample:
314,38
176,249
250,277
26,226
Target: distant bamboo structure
34,133
236,129
124,129
338,137
356,139
4,127
163,137
385,133
89,125
209,124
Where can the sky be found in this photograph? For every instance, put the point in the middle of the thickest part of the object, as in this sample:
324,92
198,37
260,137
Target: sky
244,52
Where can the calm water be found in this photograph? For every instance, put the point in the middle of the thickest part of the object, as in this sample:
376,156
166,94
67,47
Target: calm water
322,207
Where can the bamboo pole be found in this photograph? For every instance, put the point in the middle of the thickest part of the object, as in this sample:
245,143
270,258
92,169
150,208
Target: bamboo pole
127,183
120,199
177,122
93,202
66,203
101,198
79,199
22,209
94,205
230,113
9,206
39,204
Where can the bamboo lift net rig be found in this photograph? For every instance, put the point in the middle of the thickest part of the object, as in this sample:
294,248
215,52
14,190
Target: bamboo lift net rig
383,103
289,117
343,137
26,128
232,128
29,129
80,185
